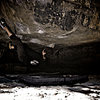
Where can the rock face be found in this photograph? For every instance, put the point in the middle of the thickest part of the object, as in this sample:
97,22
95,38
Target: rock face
52,22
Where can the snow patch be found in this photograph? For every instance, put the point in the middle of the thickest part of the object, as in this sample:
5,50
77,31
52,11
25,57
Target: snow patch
43,93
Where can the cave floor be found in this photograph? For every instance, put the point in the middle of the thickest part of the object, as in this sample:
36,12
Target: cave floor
16,90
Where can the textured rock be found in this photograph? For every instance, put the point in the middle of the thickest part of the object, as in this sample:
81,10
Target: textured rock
50,20
69,23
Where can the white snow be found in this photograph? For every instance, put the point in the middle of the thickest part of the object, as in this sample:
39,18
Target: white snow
42,93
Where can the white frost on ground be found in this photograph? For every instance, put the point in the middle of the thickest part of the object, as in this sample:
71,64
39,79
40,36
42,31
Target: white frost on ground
42,93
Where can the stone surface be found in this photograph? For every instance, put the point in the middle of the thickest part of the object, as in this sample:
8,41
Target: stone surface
16,90
70,23
52,21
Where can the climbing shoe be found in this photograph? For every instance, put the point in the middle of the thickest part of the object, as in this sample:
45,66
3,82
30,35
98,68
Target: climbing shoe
34,62
3,23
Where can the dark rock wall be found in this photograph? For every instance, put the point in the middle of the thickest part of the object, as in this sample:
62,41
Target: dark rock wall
50,22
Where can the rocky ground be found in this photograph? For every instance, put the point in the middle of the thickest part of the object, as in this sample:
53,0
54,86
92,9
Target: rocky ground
15,90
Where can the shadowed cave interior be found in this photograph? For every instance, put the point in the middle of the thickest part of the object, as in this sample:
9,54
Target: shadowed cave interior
71,27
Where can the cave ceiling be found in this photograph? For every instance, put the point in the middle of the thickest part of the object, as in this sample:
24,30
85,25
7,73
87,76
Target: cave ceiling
50,22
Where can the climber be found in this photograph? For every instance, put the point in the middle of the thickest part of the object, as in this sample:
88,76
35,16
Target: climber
21,50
